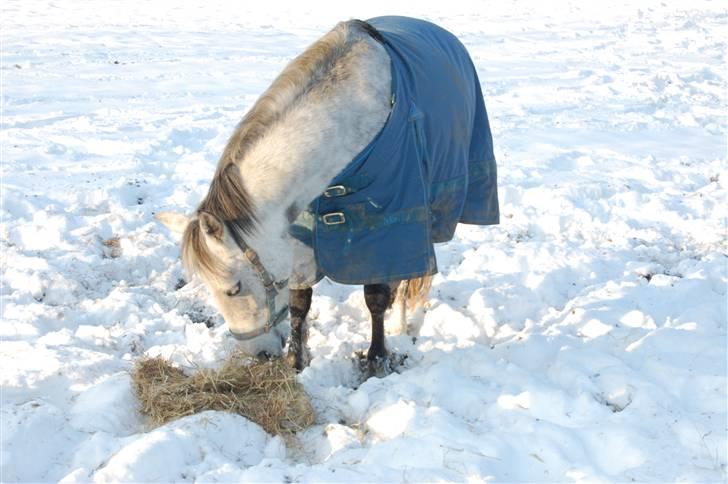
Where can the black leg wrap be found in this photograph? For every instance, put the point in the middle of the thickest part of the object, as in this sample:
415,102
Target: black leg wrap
377,297
299,304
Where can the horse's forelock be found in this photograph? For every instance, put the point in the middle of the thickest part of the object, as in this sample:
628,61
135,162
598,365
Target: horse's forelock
228,199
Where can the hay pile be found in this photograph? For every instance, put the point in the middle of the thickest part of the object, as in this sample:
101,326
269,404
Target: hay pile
264,392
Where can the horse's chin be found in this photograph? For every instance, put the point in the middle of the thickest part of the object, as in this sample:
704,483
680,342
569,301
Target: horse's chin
265,346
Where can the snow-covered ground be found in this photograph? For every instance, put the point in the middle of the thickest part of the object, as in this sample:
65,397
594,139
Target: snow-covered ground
582,339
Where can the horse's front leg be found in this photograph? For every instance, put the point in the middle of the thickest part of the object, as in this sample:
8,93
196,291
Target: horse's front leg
378,298
299,304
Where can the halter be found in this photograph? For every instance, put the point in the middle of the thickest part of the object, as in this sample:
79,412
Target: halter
272,288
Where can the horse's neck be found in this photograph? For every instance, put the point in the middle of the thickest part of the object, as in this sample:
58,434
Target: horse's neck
294,162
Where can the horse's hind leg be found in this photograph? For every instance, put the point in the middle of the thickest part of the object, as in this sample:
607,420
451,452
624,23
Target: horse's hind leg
378,298
398,324
299,304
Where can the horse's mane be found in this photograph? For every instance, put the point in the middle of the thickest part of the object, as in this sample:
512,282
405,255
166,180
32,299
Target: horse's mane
227,198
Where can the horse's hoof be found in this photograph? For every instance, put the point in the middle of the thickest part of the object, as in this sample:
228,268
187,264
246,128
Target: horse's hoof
381,366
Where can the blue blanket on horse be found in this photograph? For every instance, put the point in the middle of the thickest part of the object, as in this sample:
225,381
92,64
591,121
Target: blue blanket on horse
430,167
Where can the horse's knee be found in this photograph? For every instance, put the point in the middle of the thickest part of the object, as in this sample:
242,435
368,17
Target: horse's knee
300,302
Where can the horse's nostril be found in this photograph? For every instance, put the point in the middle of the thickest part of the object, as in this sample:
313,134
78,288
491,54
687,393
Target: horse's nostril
264,356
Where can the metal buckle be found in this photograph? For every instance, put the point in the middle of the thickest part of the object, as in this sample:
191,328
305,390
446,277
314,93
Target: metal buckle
335,191
334,218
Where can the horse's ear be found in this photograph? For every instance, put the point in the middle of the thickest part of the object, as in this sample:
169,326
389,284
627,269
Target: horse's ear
211,225
176,222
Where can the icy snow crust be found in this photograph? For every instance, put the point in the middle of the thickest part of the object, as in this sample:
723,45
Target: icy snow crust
582,339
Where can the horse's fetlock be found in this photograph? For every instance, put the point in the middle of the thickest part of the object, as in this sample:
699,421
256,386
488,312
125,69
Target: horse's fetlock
298,356
377,352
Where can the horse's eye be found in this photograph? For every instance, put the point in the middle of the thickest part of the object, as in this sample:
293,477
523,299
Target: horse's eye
234,291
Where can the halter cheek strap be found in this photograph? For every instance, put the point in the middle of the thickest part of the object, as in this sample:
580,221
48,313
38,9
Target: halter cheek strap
271,286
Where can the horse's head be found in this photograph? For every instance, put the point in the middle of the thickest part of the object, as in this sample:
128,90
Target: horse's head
251,307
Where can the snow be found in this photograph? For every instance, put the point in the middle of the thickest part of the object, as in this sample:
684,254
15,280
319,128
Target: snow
583,339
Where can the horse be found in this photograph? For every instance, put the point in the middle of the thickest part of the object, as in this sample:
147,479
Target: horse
368,148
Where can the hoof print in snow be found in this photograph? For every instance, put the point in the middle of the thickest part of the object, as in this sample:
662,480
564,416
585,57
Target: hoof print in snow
199,317
616,402
136,347
112,248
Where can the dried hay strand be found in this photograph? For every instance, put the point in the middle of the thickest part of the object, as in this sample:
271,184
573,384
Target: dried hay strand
264,392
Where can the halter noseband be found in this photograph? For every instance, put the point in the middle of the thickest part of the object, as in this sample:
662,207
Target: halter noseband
272,287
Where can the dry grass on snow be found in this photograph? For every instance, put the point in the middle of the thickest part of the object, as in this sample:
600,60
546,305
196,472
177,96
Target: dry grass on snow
265,392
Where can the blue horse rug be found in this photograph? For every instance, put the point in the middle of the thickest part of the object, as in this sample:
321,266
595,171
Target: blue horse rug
429,168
